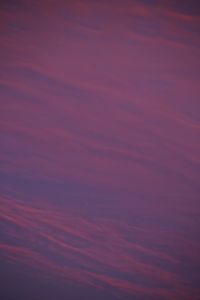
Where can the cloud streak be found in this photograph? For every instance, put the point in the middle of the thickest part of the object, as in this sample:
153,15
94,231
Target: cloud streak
97,252
100,144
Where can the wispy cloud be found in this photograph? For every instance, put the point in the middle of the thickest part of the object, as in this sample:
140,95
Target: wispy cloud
100,144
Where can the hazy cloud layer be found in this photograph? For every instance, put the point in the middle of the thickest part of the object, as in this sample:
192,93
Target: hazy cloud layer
99,157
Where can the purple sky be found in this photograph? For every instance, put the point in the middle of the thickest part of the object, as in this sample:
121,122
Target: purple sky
99,156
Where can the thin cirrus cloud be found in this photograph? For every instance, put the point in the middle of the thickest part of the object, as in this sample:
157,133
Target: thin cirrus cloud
100,145
105,251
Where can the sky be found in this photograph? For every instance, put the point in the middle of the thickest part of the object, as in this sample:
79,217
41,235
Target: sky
99,150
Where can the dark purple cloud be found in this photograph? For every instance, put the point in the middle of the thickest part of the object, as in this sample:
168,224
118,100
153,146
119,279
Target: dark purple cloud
100,149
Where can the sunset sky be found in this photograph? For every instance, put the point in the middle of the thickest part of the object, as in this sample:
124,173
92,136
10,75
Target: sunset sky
99,150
